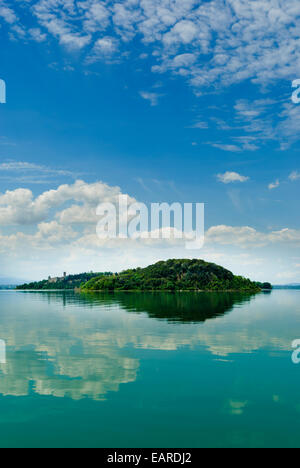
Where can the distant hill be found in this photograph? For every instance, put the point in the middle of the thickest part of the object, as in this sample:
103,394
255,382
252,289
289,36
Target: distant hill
8,281
174,275
287,286
63,283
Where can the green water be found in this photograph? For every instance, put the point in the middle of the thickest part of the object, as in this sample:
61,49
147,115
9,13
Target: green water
149,370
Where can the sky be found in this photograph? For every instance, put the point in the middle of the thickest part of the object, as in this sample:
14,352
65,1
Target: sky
165,101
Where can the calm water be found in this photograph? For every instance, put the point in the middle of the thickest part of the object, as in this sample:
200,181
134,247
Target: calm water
149,370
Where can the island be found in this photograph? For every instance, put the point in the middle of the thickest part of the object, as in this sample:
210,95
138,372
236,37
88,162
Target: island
63,283
171,275
175,275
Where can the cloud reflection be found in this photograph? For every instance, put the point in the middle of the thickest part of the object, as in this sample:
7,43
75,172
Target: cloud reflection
85,346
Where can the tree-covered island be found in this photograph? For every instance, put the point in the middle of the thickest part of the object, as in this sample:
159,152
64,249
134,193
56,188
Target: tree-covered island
171,275
175,275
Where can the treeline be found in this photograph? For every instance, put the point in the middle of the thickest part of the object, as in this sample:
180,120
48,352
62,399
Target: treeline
265,286
174,275
69,282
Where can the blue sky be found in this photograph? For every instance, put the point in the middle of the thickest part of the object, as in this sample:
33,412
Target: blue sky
185,101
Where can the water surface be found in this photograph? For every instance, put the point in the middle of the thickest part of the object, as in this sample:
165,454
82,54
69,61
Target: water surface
149,370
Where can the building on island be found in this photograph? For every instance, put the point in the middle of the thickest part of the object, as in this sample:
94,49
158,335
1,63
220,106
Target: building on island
55,280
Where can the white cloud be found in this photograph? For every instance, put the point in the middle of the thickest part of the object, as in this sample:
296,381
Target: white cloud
19,207
96,15
184,32
58,18
104,48
153,98
212,44
217,41
22,166
30,173
184,61
200,125
49,213
226,147
274,185
56,230
259,122
231,177
295,175
246,236
7,14
37,35
106,45
16,165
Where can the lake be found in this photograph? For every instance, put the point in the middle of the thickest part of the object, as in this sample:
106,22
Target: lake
149,370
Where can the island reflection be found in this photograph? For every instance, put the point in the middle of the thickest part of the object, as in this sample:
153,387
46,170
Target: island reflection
87,345
191,307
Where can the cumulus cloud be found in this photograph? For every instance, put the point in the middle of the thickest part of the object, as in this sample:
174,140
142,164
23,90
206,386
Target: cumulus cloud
56,230
231,177
19,207
69,212
246,236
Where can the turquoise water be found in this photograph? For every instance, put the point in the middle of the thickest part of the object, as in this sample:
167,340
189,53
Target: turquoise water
149,370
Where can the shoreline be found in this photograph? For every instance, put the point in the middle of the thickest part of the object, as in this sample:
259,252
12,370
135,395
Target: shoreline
135,291
144,291
169,291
